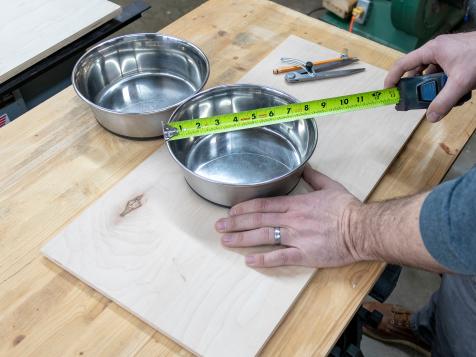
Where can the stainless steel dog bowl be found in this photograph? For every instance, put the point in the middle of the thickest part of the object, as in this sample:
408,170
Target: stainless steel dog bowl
232,167
134,82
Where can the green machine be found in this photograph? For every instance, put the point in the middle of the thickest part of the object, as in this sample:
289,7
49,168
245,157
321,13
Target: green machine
403,24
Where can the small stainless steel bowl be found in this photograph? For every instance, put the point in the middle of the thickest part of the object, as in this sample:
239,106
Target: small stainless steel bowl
233,167
133,83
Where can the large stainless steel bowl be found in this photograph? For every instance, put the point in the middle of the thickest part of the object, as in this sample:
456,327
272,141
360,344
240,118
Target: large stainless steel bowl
240,165
134,82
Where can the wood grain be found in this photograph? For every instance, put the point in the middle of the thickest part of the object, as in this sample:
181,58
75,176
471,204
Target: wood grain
33,29
57,161
149,243
163,262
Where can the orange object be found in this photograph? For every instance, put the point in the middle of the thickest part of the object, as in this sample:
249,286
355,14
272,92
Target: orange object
351,25
356,12
295,68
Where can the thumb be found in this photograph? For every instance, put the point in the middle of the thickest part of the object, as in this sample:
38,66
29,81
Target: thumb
317,180
445,100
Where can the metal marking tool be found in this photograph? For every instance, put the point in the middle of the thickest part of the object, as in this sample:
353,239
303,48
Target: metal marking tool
311,72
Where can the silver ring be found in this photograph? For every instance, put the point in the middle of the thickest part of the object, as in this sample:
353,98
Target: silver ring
277,235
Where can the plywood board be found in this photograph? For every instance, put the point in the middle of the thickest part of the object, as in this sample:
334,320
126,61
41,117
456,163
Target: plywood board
31,30
163,261
354,148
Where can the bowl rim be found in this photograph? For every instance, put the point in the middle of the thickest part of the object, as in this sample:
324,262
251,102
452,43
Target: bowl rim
262,183
133,36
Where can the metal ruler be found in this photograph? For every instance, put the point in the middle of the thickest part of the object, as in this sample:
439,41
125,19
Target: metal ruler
411,93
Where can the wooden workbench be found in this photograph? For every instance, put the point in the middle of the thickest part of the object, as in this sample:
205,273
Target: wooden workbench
56,160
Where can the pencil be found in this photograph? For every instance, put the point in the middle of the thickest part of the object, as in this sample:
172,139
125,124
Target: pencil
295,68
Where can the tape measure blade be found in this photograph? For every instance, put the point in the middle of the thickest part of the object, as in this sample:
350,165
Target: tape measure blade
280,114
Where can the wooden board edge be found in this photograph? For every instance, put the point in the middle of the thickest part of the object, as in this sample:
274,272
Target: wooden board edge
42,55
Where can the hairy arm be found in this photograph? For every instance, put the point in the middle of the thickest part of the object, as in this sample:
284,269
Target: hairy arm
390,231
434,231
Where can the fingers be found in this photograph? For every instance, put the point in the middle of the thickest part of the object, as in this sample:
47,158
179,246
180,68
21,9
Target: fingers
432,68
278,257
274,204
423,69
445,100
255,237
416,71
249,221
422,56
317,180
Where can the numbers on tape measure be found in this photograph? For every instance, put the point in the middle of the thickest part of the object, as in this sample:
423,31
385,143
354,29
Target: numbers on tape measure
289,112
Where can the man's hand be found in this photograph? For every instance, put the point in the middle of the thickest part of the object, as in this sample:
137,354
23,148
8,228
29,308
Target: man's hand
455,55
315,227
329,227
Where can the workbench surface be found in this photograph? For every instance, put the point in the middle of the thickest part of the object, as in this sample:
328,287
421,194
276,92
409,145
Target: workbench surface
56,160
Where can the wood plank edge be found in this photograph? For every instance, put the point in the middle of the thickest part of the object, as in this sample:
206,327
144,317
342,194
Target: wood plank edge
42,55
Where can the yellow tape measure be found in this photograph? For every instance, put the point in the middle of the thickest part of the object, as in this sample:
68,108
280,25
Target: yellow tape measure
280,114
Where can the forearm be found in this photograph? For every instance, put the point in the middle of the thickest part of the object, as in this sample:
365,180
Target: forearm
389,231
